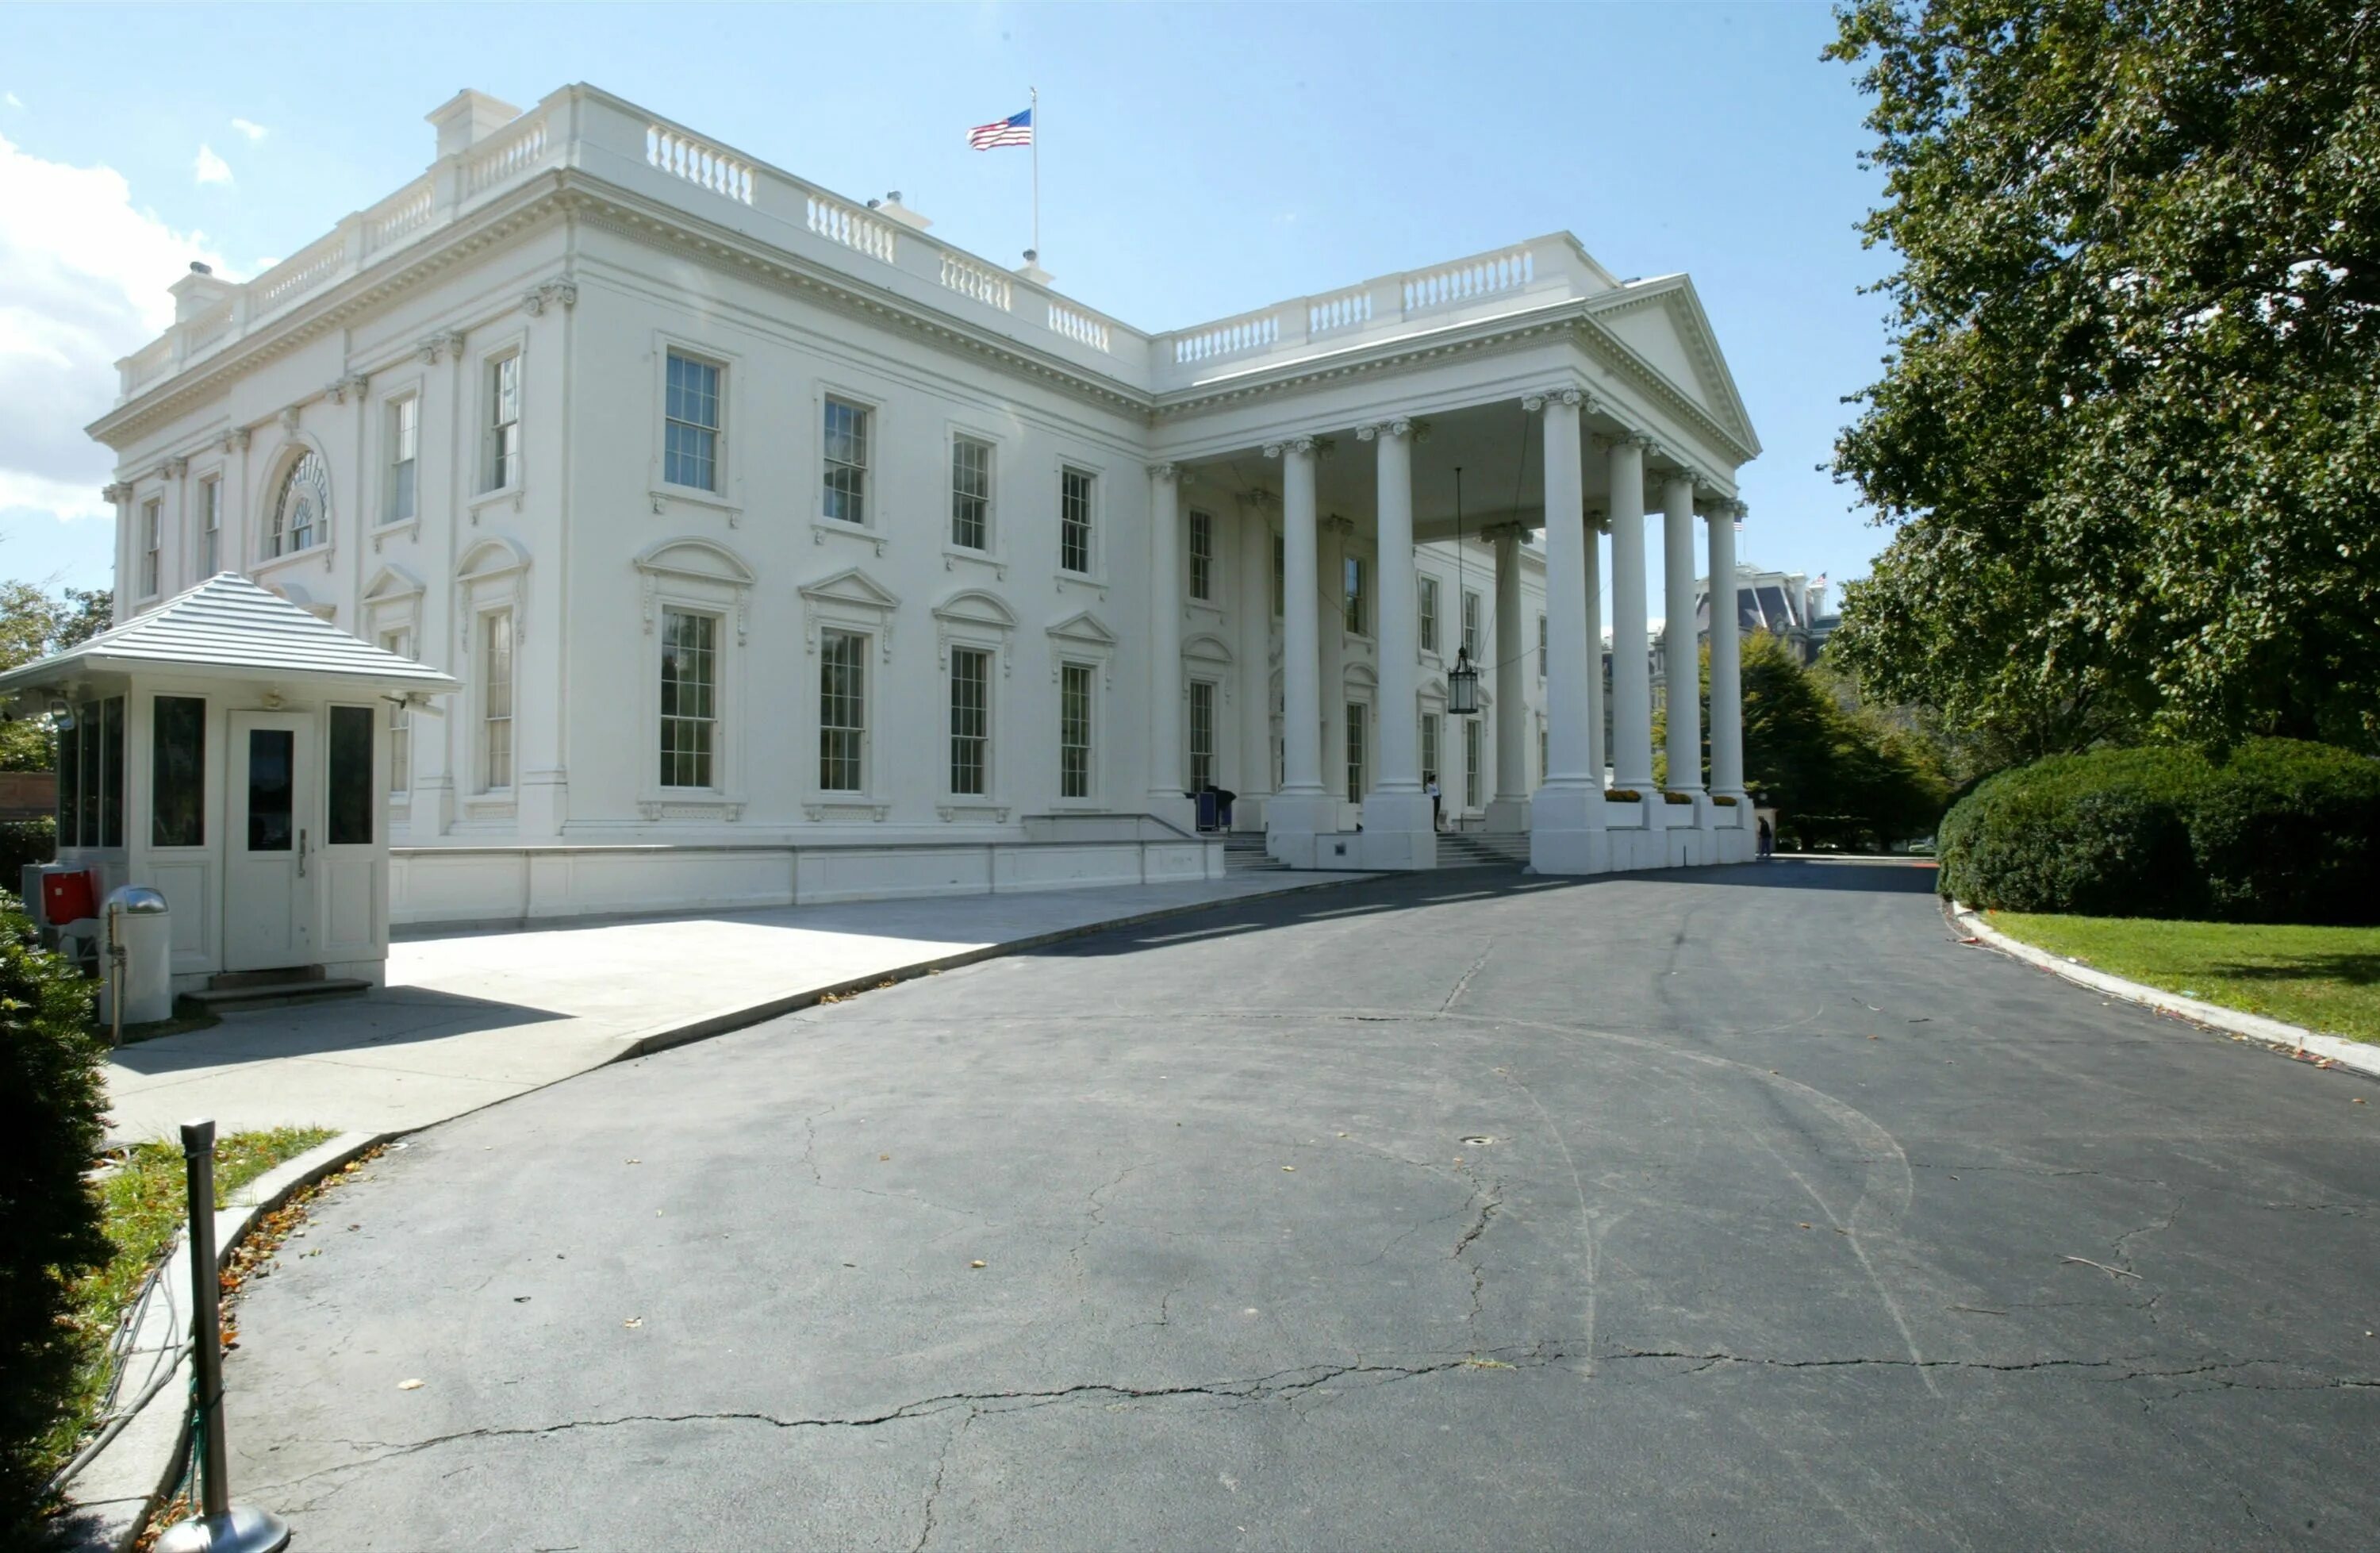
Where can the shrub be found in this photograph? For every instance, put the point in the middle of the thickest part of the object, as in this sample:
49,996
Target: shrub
1725,800
1623,795
1677,798
24,842
50,1133
2278,831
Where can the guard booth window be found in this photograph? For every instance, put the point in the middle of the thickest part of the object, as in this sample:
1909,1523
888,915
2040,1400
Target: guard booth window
91,775
351,776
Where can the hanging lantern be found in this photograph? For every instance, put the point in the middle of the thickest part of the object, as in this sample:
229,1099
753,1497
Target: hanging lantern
1462,687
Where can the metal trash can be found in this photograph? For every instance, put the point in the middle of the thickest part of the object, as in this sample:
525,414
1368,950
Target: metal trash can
138,956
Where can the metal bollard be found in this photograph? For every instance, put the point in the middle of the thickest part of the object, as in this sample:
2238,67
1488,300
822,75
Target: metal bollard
220,1527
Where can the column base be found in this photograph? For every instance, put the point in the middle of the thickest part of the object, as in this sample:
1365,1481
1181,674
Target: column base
1397,835
1508,816
1174,809
1292,822
1566,830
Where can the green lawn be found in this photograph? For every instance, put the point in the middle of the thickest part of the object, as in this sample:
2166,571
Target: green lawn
2324,978
143,1204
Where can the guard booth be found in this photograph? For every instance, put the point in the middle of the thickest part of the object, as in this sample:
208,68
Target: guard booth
231,751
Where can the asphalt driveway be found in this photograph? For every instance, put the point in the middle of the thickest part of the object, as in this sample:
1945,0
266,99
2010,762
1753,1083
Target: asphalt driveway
1735,1209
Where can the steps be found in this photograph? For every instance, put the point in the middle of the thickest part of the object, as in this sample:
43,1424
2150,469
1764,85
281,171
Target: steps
1243,852
1482,849
234,991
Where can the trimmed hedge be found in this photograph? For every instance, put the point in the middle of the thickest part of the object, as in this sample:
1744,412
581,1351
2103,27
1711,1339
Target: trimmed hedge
2279,831
24,842
51,1101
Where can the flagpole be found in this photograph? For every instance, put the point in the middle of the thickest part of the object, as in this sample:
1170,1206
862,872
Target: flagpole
1035,107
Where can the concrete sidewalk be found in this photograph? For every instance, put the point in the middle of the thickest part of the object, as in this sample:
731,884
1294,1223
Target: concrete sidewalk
468,1019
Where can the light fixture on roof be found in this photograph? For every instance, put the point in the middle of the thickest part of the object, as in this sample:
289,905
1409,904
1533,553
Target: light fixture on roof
1463,679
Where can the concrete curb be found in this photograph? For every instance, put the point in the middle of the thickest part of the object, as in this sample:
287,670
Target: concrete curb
661,1038
116,1490
2337,1050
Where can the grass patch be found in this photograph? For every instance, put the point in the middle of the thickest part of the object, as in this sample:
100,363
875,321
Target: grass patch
2324,978
143,1204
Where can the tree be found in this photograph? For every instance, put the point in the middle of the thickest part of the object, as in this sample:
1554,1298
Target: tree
33,625
2129,433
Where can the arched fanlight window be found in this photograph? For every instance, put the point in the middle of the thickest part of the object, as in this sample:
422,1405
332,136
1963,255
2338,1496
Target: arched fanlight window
301,508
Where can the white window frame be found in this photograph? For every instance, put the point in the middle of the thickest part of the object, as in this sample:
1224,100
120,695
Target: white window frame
1357,720
713,755
1072,672
696,576
483,680
1190,689
206,547
393,409
152,546
1357,600
484,481
1475,762
840,638
855,603
1426,621
492,577
1544,651
1427,740
953,435
718,429
987,781
1199,575
399,639
1083,640
1473,632
1095,559
977,622
871,492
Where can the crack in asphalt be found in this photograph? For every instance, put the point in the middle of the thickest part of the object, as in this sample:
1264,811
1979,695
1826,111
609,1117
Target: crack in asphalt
934,1490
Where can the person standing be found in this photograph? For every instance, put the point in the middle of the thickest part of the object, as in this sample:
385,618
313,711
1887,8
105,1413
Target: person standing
1767,840
1429,786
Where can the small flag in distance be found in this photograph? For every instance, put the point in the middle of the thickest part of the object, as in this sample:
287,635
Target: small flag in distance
1016,130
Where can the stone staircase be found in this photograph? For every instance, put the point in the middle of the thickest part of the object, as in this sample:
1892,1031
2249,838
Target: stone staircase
1243,852
1482,849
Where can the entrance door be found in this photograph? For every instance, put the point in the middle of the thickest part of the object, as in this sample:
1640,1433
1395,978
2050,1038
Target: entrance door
268,893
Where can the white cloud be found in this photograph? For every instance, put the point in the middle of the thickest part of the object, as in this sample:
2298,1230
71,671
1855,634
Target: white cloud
83,273
252,130
12,100
211,168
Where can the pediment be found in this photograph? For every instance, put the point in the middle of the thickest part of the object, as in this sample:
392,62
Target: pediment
1363,677
1084,627
1208,648
853,587
491,558
391,583
694,556
1663,323
973,606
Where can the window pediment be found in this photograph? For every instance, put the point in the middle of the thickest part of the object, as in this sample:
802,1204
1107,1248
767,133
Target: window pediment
1084,629
849,597
697,565
393,583
1207,649
493,556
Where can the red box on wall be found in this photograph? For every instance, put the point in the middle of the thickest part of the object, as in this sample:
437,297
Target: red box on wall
68,897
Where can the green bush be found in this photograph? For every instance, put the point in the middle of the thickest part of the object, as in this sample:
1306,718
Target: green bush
24,842
50,1133
2278,831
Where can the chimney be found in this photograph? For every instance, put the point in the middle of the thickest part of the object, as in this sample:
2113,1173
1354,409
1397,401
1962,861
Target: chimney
469,118
890,205
198,292
1031,269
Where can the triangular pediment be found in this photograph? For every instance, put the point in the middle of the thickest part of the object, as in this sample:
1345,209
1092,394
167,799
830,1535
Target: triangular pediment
391,583
1662,323
851,586
1084,627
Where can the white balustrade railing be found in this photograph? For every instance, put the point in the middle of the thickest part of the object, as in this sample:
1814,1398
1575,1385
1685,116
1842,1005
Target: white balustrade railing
706,167
1080,327
398,217
853,227
1346,310
1255,330
294,276
208,328
147,365
970,279
1468,280
507,154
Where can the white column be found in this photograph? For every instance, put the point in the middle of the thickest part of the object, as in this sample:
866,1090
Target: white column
1397,828
1726,682
1330,610
1255,658
1681,668
1514,646
1302,808
1596,759
1632,686
1165,774
1566,816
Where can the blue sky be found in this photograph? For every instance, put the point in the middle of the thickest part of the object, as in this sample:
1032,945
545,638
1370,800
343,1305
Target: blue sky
1197,161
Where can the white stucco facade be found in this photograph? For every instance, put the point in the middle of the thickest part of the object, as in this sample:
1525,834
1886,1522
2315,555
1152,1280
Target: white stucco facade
784,552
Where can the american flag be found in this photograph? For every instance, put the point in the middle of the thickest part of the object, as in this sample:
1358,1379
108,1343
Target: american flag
1016,130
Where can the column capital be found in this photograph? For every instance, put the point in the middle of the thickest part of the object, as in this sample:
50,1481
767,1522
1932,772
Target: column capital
1513,529
352,382
235,441
1400,426
177,468
1612,442
1166,472
1305,444
1544,397
1260,501
1338,525
1598,515
115,493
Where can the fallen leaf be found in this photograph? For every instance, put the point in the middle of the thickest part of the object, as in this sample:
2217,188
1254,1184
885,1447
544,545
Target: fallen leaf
975,1264
634,1321
1800,1227
635,1162
1292,1169
881,1158
409,1386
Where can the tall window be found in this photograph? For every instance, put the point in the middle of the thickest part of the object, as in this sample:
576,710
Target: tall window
348,785
400,720
496,701
1355,710
177,763
842,711
209,527
845,498
1075,730
301,508
503,422
970,718
1542,652
1429,748
403,458
152,546
1471,625
689,697
1471,763
91,775
1202,735
1354,600
970,494
1279,574
690,428
1073,520
1202,556
1429,614
1544,751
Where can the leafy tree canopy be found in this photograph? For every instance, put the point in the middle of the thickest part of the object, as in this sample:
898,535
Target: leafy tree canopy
33,625
2129,433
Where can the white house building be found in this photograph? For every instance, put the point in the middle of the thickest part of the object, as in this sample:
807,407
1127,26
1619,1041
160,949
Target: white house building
782,551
